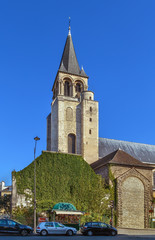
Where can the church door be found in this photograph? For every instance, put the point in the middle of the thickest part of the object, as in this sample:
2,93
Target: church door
71,143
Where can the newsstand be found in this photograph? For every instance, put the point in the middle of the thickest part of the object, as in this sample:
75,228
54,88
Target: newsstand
66,214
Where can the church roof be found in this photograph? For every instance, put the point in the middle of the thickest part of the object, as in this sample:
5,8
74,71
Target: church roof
143,152
119,157
69,63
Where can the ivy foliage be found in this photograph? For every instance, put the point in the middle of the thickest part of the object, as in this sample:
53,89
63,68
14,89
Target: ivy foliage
5,204
113,190
64,178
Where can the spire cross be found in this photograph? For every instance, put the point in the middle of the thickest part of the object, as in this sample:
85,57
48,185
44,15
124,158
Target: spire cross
69,33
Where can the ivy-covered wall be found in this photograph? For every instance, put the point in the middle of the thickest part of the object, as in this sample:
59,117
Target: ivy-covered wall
113,192
62,178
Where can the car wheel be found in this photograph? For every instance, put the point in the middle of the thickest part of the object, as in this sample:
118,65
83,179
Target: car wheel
113,233
24,232
43,233
69,232
89,233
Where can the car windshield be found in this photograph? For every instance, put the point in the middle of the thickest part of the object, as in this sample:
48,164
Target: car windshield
17,222
103,225
88,224
109,226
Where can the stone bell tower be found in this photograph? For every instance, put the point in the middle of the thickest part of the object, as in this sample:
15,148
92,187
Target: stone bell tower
72,125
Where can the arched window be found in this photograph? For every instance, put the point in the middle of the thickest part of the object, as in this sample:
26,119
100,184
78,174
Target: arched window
91,109
71,143
67,88
78,87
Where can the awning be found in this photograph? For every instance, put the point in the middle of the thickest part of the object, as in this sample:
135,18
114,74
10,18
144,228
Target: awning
68,212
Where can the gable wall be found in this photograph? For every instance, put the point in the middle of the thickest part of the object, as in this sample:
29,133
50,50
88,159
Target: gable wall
129,182
119,170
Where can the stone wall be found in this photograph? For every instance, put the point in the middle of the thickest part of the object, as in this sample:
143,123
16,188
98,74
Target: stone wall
48,147
132,203
104,172
67,122
134,193
54,126
134,199
20,200
89,139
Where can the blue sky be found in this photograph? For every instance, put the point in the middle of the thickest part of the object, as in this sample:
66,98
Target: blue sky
115,43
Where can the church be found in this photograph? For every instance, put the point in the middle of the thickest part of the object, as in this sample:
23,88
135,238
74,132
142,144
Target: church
73,126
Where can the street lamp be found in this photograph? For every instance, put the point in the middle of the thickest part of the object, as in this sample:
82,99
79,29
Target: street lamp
36,139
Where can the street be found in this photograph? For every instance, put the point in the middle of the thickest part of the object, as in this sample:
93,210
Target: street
80,237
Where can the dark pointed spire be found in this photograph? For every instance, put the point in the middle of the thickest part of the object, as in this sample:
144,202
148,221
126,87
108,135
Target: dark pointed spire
69,63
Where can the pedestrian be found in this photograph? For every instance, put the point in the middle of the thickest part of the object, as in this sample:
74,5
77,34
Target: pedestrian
110,221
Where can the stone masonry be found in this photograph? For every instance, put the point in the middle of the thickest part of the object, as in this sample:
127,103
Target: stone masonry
133,188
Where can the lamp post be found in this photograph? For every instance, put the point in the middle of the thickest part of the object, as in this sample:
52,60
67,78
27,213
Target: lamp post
36,139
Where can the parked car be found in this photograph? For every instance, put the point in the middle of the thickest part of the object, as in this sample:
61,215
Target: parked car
98,228
46,228
10,226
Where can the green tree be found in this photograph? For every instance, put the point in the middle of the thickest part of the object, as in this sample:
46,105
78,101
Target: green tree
5,204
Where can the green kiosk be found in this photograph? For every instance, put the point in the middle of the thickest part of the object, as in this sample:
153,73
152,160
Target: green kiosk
66,214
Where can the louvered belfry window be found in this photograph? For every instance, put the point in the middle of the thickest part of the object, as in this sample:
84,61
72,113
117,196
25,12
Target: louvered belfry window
67,89
78,87
71,143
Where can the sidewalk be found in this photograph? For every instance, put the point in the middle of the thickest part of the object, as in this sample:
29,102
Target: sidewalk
132,231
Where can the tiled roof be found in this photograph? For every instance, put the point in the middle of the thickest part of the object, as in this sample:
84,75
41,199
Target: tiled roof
121,158
143,152
7,189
